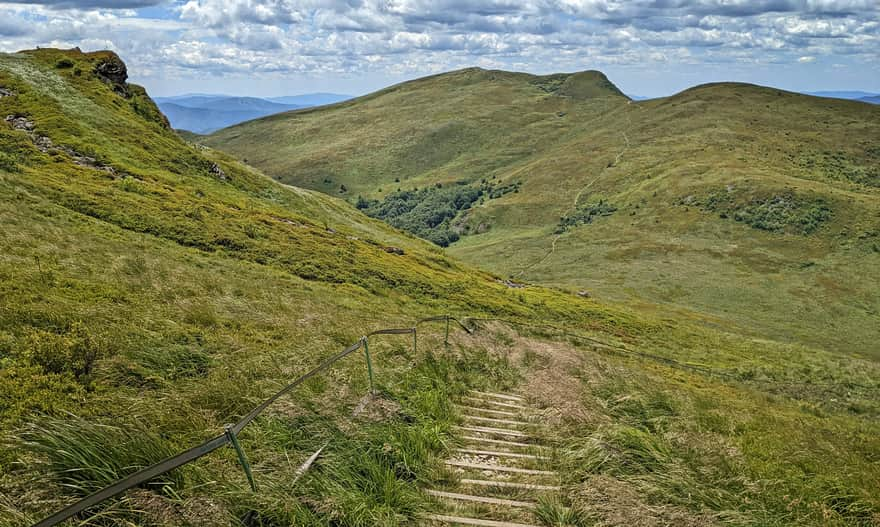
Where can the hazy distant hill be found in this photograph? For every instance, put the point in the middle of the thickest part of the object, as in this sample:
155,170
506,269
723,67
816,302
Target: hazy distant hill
874,99
843,94
310,99
205,113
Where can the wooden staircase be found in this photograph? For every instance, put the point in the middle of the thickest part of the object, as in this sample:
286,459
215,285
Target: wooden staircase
501,467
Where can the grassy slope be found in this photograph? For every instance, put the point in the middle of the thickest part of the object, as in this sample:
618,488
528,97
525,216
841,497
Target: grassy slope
204,294
162,286
573,146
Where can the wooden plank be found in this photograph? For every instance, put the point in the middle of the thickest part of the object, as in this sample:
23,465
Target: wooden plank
507,484
496,453
503,442
497,431
500,468
488,411
474,521
493,420
513,398
496,403
480,499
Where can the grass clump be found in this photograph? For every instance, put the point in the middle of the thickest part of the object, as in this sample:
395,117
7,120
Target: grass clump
552,512
84,456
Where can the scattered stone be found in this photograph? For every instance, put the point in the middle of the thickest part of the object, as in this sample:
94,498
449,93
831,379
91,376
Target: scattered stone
20,123
584,294
43,144
5,93
394,250
217,171
511,284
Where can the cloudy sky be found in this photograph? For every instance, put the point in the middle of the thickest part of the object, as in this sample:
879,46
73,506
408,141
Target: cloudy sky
281,47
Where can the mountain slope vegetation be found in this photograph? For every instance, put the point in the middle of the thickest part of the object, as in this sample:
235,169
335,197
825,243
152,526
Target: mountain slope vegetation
745,207
154,290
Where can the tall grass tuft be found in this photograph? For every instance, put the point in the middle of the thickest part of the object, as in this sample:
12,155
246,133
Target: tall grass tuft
84,456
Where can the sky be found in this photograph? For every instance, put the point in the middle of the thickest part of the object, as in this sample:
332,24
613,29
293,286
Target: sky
286,47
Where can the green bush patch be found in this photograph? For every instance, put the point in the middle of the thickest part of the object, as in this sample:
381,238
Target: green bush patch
778,212
585,214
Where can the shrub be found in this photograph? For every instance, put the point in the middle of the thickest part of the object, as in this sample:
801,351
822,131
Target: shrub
426,213
75,351
64,64
584,214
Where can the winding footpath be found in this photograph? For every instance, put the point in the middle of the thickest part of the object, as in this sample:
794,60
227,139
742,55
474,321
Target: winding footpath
577,199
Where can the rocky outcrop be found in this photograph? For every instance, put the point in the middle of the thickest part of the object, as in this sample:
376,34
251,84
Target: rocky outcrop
113,71
5,93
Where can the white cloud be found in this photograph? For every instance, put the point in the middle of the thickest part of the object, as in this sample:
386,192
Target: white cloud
404,37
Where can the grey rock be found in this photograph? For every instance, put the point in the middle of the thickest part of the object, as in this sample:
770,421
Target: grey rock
20,123
217,171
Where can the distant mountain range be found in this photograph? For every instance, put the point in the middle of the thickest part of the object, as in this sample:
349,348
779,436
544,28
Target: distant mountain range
205,113
873,98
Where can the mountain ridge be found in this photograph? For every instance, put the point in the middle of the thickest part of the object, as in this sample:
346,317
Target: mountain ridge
729,163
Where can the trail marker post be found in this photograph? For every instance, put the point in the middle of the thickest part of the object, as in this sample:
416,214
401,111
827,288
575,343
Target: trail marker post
230,433
369,365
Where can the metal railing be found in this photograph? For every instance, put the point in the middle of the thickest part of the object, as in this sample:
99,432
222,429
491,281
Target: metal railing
231,431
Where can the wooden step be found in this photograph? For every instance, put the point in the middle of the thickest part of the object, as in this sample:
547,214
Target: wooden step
500,468
488,411
480,499
474,521
497,431
493,420
503,442
495,453
513,398
497,403
507,484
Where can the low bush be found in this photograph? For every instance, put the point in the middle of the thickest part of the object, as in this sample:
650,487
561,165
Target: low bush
75,350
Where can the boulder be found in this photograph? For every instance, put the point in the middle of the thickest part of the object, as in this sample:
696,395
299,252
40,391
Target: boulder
114,72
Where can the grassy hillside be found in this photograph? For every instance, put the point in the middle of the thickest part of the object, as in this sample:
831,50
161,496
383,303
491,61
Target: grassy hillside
154,290
748,208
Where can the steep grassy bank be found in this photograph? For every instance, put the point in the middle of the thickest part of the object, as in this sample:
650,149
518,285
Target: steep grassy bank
154,291
748,208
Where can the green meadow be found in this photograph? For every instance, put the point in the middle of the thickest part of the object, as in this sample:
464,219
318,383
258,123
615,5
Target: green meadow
154,289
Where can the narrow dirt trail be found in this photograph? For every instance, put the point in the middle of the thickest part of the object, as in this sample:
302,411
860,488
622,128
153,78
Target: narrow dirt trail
500,467
577,198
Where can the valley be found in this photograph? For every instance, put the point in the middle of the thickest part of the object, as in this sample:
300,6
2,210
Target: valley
730,204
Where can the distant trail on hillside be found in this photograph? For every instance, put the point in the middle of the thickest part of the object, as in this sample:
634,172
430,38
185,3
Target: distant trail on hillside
577,198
